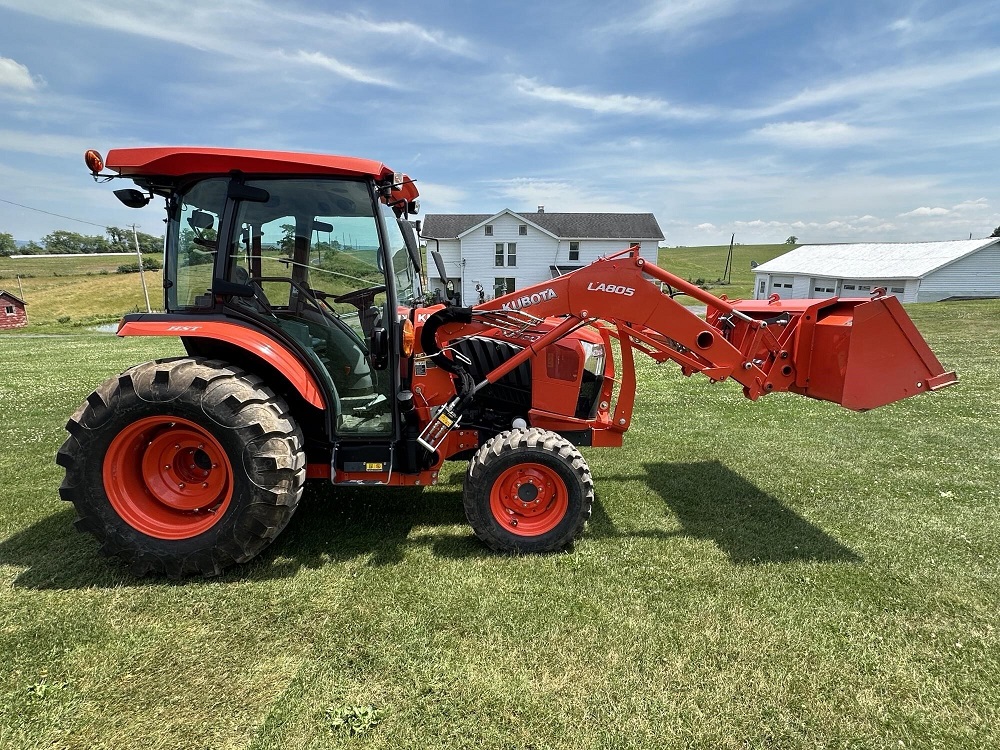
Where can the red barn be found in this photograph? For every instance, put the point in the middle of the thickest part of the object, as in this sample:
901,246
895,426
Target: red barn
12,312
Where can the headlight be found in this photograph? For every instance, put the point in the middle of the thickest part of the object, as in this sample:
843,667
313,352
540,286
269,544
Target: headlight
594,357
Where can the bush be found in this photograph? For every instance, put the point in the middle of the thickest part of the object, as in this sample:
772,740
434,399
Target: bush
149,264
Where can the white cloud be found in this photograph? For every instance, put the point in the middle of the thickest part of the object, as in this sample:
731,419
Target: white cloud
407,32
525,193
927,211
675,17
815,133
332,64
977,205
707,227
14,75
438,198
890,83
606,104
249,30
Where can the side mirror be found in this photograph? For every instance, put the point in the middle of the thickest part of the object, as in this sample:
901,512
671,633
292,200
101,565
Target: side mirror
439,262
132,198
412,243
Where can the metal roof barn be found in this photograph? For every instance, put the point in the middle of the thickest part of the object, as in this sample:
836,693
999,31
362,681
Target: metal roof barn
914,271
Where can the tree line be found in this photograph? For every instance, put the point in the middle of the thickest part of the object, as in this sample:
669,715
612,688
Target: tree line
61,242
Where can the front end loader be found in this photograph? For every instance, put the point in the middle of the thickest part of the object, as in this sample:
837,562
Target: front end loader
293,282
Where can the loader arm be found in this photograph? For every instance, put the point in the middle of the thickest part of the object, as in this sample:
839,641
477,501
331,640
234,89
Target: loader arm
858,353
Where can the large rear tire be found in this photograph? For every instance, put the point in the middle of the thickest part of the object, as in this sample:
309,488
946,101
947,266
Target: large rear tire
528,491
183,466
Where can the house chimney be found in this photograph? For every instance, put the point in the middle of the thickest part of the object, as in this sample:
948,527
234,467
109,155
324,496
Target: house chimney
541,209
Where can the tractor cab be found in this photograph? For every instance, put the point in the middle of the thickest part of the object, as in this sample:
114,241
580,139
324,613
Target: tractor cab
321,262
302,268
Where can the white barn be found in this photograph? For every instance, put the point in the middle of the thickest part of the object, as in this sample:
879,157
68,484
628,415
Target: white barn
914,271
487,255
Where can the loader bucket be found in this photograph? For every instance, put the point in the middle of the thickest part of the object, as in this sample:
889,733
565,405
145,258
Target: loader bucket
863,354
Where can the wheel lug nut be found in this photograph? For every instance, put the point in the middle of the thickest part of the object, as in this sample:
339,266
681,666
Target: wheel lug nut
181,485
167,466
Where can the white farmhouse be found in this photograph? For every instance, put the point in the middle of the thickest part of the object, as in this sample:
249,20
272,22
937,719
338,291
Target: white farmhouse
914,272
487,256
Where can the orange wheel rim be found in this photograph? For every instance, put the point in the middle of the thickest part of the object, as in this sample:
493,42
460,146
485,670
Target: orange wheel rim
529,499
168,477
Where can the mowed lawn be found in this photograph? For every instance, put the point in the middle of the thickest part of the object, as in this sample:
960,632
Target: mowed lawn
779,574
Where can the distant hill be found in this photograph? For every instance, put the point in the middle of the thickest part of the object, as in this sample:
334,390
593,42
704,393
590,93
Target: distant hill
21,243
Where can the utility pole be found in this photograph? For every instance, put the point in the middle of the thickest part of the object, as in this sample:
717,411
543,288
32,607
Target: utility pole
727,275
142,275
20,293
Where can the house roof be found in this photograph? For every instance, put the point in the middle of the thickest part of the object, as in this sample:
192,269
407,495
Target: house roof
12,296
878,260
563,225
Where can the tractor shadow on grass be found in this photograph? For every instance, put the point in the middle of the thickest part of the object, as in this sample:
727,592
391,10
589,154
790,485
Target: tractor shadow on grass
380,524
335,525
714,503
331,525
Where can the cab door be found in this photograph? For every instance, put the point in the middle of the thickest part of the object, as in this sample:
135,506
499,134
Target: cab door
312,254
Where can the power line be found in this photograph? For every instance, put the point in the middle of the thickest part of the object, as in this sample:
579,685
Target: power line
61,216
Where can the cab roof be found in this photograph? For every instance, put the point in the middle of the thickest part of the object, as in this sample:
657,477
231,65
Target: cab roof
178,161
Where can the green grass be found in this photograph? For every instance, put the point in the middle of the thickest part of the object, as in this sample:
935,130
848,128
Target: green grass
709,264
778,574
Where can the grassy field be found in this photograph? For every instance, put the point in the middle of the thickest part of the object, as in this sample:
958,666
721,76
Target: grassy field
70,292
708,264
779,574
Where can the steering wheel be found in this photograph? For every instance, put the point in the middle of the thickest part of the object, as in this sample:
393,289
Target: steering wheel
359,296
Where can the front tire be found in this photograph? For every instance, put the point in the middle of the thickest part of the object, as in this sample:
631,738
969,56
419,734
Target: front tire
528,491
183,466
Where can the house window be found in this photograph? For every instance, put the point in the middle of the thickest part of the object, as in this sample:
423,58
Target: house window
523,230
9,309
503,285
761,288
489,230
574,251
848,286
823,289
897,290
505,259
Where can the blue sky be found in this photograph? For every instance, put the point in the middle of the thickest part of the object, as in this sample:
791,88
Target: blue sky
832,121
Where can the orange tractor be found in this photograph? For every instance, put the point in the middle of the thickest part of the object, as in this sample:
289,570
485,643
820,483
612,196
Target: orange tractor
294,283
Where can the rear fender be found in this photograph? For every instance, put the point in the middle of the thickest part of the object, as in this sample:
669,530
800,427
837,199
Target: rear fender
283,359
